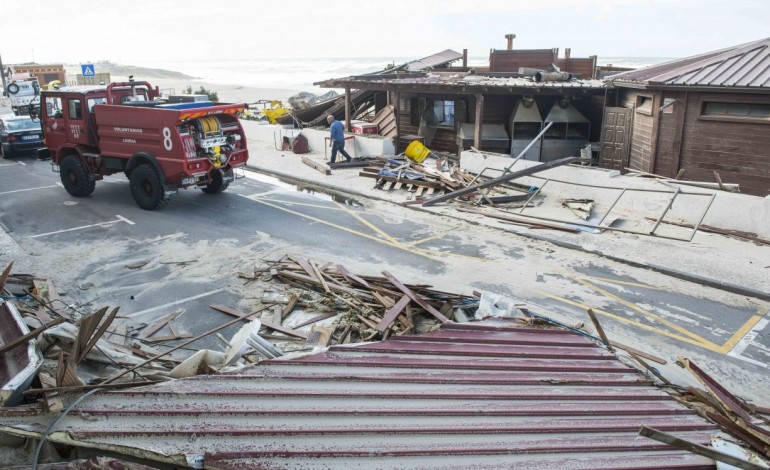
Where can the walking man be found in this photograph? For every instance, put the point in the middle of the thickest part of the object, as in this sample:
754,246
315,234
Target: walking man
337,137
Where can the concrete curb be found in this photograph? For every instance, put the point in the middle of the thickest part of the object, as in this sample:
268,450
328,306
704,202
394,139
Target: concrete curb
714,283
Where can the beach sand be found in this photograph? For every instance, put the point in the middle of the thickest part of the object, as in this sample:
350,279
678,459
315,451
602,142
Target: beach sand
226,93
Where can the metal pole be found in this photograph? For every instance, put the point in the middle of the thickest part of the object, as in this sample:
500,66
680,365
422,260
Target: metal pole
668,206
612,206
533,196
708,206
2,74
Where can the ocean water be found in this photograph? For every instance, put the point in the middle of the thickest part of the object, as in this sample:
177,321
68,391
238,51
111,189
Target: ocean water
300,74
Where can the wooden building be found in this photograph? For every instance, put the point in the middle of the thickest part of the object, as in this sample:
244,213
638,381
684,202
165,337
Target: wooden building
700,115
45,73
453,108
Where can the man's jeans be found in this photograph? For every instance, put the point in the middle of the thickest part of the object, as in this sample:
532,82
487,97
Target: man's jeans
338,145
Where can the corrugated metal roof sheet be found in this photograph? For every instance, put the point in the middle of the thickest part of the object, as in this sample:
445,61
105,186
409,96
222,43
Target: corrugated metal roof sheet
747,65
476,395
440,58
474,80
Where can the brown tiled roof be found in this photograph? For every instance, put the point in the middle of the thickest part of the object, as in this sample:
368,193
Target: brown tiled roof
747,65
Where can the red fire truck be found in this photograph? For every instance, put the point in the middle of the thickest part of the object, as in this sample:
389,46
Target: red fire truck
93,131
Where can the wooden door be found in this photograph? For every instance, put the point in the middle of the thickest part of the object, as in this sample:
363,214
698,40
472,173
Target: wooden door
616,138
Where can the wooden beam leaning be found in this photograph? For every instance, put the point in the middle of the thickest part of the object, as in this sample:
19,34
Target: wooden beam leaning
391,315
503,179
416,298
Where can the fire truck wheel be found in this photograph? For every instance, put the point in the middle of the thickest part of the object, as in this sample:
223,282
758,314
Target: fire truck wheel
13,88
147,188
74,176
217,184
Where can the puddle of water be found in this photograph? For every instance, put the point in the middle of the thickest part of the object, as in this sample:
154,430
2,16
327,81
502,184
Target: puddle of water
313,191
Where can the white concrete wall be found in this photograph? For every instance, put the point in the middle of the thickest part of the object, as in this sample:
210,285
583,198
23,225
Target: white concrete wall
365,146
729,210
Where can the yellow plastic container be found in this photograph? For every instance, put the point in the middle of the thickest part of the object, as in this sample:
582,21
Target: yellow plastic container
416,151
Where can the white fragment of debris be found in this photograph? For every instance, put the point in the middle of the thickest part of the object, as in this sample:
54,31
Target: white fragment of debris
495,305
239,342
202,362
733,449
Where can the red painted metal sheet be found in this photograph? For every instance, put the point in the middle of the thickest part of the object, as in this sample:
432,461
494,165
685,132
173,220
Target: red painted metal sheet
454,400
192,406
485,350
499,337
641,461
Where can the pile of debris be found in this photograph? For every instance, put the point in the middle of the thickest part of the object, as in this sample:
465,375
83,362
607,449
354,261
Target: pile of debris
87,349
363,308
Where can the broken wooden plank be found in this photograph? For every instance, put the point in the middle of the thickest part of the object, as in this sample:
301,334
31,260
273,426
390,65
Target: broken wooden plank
319,336
350,276
391,314
333,287
4,276
158,324
304,265
31,335
639,353
171,337
316,319
503,179
317,166
599,329
319,276
288,308
416,298
231,311
52,399
284,330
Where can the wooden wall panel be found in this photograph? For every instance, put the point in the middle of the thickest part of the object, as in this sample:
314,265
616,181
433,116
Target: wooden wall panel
738,151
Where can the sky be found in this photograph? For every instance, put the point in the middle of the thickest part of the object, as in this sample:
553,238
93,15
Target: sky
166,31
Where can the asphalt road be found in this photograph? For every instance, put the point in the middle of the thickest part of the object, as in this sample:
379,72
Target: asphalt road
104,250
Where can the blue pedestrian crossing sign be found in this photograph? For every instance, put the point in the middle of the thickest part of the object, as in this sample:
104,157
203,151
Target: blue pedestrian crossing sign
88,70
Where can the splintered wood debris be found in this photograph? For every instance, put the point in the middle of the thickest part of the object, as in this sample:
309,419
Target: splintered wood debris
302,305
352,307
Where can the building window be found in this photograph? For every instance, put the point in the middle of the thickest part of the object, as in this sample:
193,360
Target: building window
644,105
757,112
445,112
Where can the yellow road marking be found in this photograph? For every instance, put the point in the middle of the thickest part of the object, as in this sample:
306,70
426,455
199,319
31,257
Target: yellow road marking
709,346
344,229
615,281
738,335
432,237
673,326
371,226
318,206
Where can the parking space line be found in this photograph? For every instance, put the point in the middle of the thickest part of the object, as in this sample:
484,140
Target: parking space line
706,343
171,304
29,189
341,227
12,164
119,218
627,321
745,335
